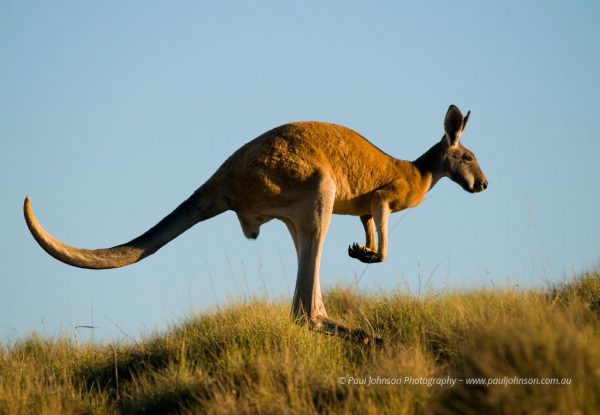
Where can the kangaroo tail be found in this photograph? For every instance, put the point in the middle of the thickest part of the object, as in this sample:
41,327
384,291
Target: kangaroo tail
202,205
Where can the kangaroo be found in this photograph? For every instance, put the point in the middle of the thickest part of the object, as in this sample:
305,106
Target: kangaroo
301,173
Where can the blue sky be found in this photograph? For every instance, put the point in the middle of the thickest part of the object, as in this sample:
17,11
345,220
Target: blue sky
112,113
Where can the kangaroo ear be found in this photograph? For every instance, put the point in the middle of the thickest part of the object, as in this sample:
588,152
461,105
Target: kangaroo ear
454,124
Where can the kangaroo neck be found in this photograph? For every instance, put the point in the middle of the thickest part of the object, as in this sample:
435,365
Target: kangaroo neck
430,164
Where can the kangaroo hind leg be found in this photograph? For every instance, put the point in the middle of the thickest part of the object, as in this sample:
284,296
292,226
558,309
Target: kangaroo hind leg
309,223
308,230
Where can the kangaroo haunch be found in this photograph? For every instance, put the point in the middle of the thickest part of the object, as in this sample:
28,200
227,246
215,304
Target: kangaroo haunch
300,173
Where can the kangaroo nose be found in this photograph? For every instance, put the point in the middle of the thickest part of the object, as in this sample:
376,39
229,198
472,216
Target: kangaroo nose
480,185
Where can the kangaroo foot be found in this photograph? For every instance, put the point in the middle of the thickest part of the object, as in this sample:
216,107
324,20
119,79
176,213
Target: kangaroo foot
363,254
331,327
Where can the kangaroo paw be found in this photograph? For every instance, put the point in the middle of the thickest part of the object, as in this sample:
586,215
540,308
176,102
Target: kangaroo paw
363,254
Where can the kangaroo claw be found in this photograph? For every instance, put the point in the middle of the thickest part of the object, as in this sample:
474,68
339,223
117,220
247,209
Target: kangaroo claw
363,254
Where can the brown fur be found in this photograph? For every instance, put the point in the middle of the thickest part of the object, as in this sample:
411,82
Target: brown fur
301,173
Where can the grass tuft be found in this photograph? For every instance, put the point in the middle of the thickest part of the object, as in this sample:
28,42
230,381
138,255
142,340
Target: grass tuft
250,358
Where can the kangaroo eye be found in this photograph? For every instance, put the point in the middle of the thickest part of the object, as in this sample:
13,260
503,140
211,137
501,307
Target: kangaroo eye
467,158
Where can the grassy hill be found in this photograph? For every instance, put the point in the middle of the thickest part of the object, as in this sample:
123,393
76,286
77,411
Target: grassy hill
249,358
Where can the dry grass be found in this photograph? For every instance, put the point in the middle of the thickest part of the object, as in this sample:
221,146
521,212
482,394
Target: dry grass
250,358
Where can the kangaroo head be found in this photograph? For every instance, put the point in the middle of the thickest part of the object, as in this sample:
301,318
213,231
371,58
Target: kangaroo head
458,162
